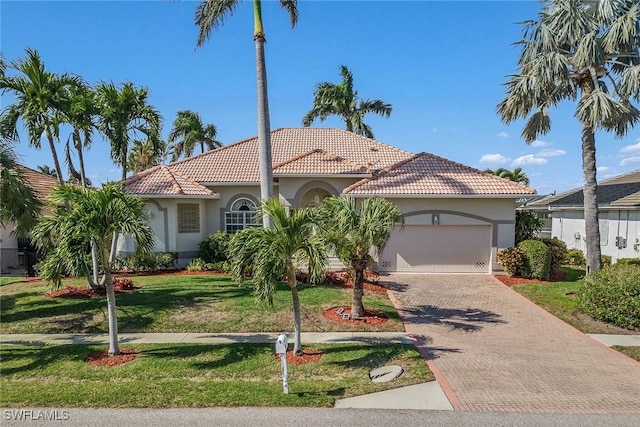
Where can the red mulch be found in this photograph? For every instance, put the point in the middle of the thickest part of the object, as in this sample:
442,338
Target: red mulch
310,355
370,318
83,292
368,286
511,280
102,358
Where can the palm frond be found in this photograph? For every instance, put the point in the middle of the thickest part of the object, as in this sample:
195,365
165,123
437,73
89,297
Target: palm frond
291,6
210,15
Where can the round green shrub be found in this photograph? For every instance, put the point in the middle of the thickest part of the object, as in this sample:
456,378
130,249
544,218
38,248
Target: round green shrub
537,259
214,247
613,295
575,257
511,259
558,250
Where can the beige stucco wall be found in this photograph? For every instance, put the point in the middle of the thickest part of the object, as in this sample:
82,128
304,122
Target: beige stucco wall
499,213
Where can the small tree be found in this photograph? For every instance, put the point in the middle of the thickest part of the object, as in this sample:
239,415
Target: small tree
528,225
82,215
273,252
356,232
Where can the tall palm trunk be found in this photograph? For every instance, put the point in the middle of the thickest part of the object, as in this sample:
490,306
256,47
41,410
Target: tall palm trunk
264,127
291,278
111,307
591,220
592,224
54,154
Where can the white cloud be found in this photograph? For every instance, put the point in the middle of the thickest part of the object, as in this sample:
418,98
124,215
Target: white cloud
629,160
551,153
539,144
502,135
496,159
631,148
606,169
529,159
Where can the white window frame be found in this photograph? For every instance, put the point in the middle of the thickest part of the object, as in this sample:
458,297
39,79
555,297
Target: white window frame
242,214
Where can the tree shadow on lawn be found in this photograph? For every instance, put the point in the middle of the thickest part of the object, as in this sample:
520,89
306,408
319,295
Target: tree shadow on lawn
40,356
226,354
372,358
467,320
136,310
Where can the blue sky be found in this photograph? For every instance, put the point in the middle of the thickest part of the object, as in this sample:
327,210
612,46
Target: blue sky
439,63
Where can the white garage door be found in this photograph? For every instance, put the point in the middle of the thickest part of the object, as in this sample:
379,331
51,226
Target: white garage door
438,249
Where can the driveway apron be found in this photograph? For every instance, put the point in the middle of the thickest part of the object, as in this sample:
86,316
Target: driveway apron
493,350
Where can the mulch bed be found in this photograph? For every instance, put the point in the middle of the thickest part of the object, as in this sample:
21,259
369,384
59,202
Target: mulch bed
512,280
102,358
371,317
122,286
310,355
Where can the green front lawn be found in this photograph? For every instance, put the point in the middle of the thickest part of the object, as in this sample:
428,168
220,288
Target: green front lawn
191,375
559,299
181,303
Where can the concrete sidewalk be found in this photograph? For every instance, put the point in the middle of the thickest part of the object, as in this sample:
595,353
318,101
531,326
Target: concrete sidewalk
205,338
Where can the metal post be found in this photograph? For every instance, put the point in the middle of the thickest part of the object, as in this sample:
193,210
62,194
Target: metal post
281,348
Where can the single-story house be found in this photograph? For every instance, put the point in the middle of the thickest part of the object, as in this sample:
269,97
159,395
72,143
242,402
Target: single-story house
17,255
618,211
457,217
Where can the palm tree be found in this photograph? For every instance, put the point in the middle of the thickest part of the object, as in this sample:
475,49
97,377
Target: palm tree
272,252
341,100
46,170
39,97
123,114
189,130
80,215
18,204
353,230
586,50
145,154
211,14
80,110
516,175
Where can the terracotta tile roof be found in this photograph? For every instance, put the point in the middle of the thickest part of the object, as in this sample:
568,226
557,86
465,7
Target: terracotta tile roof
619,191
427,174
239,162
41,184
161,180
319,162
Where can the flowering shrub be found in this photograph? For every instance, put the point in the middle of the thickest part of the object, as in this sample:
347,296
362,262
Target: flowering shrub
511,259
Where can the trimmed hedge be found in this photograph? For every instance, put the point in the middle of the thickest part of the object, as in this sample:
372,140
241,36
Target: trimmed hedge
558,250
613,295
576,257
628,261
537,259
214,247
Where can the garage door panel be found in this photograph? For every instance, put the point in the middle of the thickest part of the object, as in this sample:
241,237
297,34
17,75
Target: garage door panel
427,248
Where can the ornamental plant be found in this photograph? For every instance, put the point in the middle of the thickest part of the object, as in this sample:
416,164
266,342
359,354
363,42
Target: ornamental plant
537,259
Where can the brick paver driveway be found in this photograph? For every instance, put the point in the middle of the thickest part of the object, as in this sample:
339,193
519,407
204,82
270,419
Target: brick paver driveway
493,350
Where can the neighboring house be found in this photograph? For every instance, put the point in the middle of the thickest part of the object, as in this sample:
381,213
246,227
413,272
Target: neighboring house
457,217
17,255
618,210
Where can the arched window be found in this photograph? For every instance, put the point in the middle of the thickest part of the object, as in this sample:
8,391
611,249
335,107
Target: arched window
241,215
